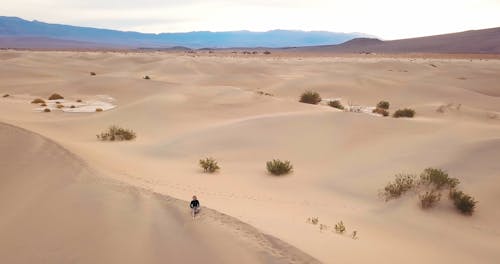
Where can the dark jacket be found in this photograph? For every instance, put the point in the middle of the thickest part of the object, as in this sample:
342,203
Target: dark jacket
194,203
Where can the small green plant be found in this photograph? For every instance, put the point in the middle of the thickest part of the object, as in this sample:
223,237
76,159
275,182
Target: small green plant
278,167
380,111
406,112
463,202
383,105
336,104
310,97
438,178
339,227
429,199
38,101
115,133
209,165
401,184
46,110
147,77
56,96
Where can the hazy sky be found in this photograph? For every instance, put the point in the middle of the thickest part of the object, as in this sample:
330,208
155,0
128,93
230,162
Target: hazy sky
388,19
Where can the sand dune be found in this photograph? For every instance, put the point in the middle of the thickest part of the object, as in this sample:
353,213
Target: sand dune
56,210
195,107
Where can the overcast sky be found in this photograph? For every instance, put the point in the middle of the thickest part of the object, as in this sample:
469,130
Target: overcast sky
387,19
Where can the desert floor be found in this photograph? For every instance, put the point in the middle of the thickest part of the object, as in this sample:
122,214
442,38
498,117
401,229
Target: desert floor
197,106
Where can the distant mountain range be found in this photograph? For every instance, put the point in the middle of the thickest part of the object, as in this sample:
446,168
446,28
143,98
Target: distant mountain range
484,41
19,33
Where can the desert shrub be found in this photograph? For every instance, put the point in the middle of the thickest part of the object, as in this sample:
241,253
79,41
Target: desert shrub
278,167
438,178
401,184
146,77
463,202
406,112
6,95
209,165
354,234
79,100
115,133
313,220
98,110
383,105
93,74
38,101
46,110
380,111
43,104
310,97
56,96
72,106
429,199
59,106
336,104
267,52
339,227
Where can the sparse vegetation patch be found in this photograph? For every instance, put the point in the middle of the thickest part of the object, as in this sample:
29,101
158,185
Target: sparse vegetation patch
278,167
429,186
406,112
209,165
310,97
56,96
380,111
336,104
463,202
115,133
6,95
383,105
38,101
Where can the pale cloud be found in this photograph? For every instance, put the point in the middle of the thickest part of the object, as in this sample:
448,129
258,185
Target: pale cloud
388,19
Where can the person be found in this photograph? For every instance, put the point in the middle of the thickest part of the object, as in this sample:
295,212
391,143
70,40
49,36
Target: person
195,206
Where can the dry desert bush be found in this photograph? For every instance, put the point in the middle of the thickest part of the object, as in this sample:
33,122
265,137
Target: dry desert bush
310,97
6,95
380,111
383,105
147,77
463,202
406,112
93,74
46,110
98,110
38,101
278,167
209,165
56,96
115,133
401,184
336,104
429,199
340,227
430,185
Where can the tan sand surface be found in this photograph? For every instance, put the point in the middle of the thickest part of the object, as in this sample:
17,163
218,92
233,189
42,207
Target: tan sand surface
209,105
